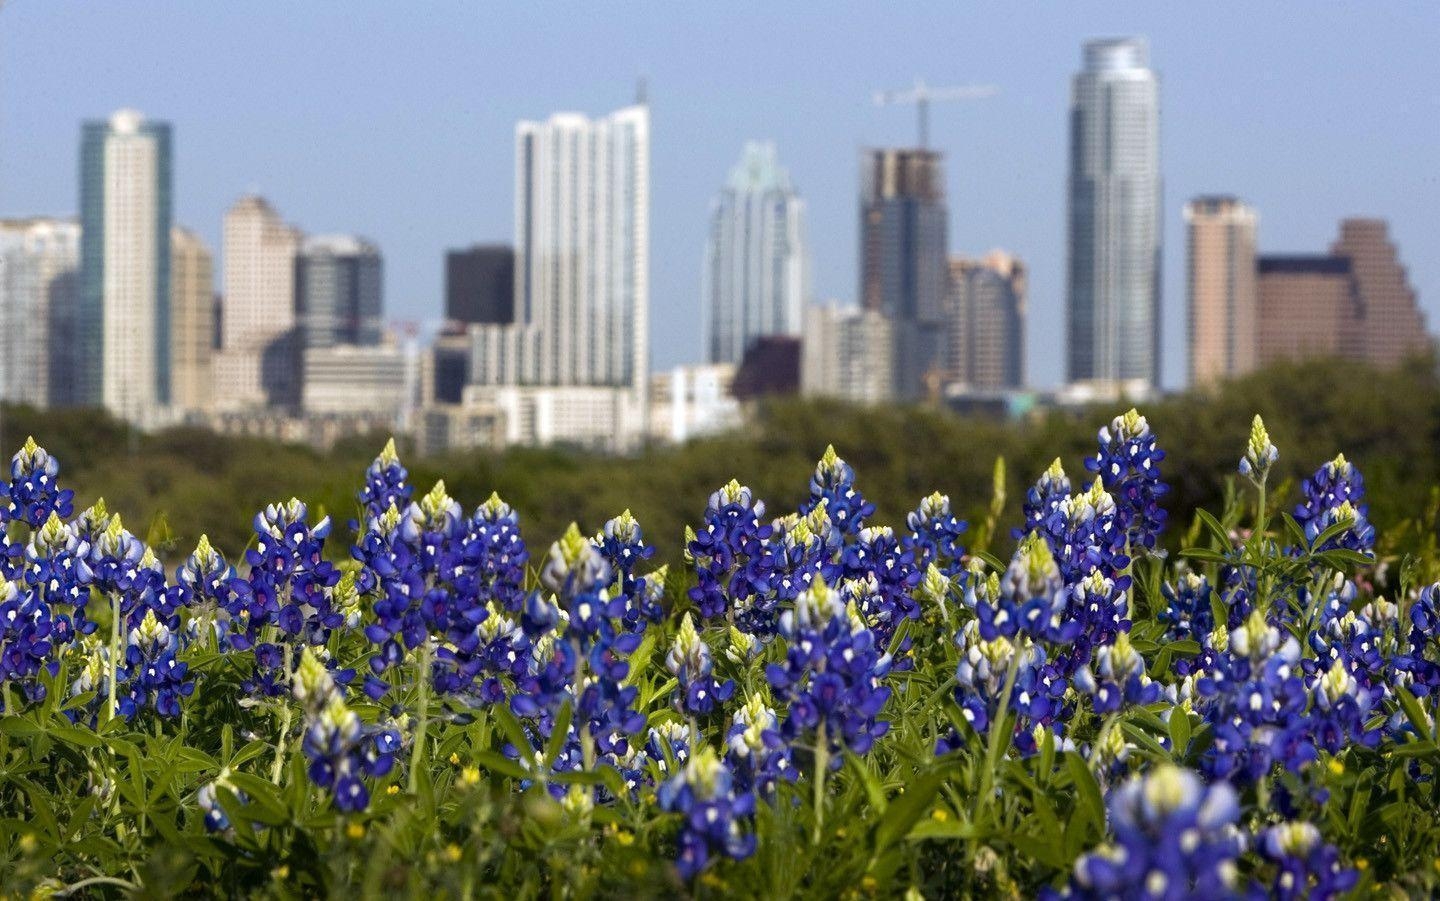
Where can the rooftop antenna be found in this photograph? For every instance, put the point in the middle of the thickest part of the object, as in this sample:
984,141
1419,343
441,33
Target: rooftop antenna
642,88
922,95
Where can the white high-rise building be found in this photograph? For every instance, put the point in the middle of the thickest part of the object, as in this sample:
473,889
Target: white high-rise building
39,272
124,322
582,245
1113,310
755,278
848,354
258,364
582,284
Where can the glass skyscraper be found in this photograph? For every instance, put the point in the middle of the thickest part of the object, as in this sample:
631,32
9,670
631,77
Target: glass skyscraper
123,322
1113,304
904,269
338,291
755,271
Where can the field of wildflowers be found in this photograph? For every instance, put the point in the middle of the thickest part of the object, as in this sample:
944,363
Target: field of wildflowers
809,706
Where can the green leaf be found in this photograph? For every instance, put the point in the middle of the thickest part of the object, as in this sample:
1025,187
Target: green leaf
558,734
511,728
1087,790
1204,555
905,811
496,762
1415,713
873,791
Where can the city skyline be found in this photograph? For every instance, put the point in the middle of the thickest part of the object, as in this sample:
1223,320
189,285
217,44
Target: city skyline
1235,128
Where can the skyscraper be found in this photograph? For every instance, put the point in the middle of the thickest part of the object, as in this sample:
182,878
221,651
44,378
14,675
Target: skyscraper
755,277
123,326
903,267
985,347
1113,304
39,260
192,326
582,238
339,291
1394,326
480,285
847,354
1222,294
1308,307
258,364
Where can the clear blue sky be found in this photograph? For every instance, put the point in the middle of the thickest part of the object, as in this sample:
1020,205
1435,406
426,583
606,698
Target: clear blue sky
396,120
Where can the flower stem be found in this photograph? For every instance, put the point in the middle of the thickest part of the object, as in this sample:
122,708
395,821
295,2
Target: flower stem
999,725
417,754
279,766
822,768
113,664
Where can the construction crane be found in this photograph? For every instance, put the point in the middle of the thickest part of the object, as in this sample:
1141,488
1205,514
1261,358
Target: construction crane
922,95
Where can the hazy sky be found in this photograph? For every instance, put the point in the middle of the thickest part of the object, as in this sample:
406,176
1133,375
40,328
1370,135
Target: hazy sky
396,121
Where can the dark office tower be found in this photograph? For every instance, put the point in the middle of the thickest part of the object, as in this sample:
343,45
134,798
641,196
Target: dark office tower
480,285
1394,326
903,266
1113,303
986,336
338,291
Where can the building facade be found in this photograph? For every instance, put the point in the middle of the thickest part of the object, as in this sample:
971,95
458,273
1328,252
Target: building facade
258,364
755,277
39,282
192,326
1113,278
339,291
690,401
847,355
1394,325
1308,307
123,323
480,285
985,346
582,239
904,269
1222,295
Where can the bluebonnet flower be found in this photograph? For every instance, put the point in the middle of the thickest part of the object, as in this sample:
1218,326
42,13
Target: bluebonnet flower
804,547
754,749
33,493
732,563
876,556
1043,497
214,815
1175,838
1188,614
385,484
1335,494
1116,676
1255,699
493,553
980,677
1420,659
342,750
623,544
831,674
834,483
1340,711
716,817
935,535
202,585
1029,598
285,594
155,679
29,633
1129,467
1306,866
689,660
1260,453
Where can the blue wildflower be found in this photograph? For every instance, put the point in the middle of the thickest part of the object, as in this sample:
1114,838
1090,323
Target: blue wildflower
716,817
33,493
1129,467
